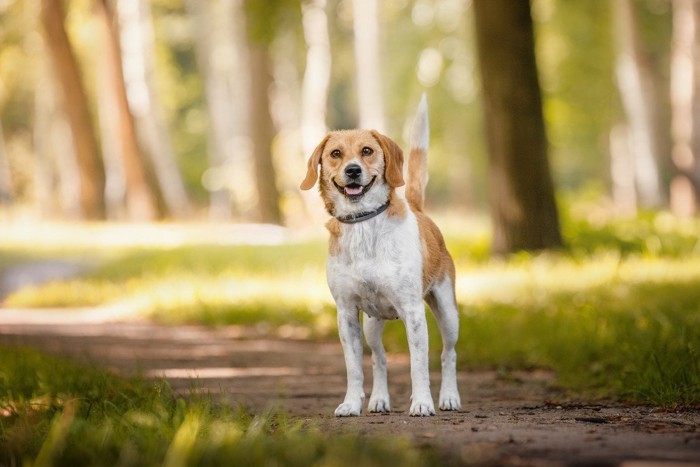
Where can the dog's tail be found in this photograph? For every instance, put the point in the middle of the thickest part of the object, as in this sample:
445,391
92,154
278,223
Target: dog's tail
418,157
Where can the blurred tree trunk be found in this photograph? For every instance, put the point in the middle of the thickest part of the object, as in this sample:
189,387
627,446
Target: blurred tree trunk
685,107
317,75
636,86
90,166
262,132
5,176
368,64
522,195
314,98
137,43
218,36
141,204
56,172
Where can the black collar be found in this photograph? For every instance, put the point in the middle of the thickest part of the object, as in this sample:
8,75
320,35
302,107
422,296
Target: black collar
363,216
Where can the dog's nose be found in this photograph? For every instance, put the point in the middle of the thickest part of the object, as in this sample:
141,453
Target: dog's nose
353,171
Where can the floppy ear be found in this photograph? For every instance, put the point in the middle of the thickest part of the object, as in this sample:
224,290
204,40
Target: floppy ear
393,159
314,161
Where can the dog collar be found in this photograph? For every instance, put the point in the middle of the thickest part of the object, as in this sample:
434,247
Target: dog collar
363,216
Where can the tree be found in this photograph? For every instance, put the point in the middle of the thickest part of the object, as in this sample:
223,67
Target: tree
5,177
685,107
368,64
75,104
137,42
523,208
317,75
219,40
141,203
262,131
263,18
315,87
635,84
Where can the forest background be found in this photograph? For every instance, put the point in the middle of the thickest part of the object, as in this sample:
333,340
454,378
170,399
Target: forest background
193,107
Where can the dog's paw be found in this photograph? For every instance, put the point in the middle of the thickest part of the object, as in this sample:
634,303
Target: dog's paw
347,409
379,404
449,402
422,408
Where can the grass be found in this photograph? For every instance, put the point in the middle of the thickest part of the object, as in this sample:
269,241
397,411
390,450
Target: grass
617,315
54,412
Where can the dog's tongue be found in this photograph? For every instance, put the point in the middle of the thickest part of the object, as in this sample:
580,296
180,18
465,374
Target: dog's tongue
353,190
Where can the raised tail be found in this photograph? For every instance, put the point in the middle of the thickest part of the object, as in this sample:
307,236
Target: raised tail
418,157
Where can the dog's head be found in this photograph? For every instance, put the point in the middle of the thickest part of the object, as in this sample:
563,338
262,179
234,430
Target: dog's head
358,170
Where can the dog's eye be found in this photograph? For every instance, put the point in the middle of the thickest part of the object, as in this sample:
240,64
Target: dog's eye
367,151
335,154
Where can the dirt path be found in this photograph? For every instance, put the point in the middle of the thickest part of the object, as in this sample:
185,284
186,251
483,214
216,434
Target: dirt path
504,420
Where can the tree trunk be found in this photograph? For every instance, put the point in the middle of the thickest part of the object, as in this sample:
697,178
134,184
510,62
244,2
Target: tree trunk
221,58
5,177
136,40
91,169
636,88
314,97
522,195
141,204
368,64
262,132
56,171
317,75
685,107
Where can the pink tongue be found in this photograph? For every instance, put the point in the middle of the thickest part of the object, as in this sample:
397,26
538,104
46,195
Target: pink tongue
353,190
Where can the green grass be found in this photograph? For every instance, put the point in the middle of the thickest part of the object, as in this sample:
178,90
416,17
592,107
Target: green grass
54,412
616,315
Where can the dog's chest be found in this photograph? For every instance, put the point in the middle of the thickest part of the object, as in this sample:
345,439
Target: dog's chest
378,266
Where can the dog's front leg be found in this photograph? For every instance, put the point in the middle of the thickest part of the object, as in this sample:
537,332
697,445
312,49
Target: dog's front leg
351,340
417,332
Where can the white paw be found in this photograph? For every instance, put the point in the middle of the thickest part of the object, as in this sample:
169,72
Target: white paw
379,404
450,402
423,408
347,409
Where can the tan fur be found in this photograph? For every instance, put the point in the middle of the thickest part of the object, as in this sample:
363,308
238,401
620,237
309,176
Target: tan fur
417,178
312,166
333,226
437,262
395,209
393,159
386,161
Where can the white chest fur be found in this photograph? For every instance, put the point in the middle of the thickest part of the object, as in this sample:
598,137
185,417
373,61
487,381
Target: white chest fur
378,266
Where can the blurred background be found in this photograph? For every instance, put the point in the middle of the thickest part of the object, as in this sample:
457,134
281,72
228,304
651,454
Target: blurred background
137,110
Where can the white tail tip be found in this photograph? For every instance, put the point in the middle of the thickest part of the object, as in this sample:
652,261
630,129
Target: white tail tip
421,127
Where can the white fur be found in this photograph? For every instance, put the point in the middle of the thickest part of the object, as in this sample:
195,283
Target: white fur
420,136
378,270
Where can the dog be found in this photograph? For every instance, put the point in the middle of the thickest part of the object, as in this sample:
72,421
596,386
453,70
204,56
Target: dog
385,258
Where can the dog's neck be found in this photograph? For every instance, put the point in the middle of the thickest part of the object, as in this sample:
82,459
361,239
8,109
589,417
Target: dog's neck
363,216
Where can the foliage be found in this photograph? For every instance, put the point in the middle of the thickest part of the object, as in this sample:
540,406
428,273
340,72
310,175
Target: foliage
575,54
53,412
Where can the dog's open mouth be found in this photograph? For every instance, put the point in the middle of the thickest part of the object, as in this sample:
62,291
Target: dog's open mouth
355,191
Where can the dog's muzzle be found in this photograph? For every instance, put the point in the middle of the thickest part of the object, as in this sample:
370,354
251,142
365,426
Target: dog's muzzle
353,190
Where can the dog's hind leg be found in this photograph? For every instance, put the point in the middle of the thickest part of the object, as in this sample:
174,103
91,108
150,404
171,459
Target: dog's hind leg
442,302
379,400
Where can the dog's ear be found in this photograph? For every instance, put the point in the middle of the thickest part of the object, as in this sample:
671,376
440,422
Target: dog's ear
393,159
314,161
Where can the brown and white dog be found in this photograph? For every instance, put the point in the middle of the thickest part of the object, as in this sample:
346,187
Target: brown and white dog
385,257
